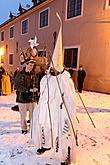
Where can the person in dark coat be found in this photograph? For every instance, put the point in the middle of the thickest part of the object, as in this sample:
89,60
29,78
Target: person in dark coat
71,71
80,78
11,80
15,107
25,93
2,69
37,74
16,72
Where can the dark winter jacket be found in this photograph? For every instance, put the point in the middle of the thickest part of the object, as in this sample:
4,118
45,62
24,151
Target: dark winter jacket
81,75
24,81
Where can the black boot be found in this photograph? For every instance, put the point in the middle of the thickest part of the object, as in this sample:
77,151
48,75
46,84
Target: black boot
28,121
42,150
15,108
24,132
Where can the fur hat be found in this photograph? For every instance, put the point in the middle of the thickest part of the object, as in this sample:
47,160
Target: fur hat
28,55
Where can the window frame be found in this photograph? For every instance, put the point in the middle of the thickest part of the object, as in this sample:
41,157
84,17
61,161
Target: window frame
72,47
2,59
48,18
13,32
74,17
7,47
2,32
28,26
12,59
17,46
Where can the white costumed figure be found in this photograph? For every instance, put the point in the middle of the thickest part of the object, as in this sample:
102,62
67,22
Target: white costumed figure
54,116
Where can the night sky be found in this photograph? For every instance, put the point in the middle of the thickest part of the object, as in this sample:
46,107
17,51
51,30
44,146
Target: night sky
11,5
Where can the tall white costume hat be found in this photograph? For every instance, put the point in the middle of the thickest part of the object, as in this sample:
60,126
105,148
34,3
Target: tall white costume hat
57,60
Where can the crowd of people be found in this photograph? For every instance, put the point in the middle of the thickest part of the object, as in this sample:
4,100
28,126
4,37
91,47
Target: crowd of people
48,94
52,124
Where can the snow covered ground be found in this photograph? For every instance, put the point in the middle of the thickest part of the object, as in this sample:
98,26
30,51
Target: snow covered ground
94,143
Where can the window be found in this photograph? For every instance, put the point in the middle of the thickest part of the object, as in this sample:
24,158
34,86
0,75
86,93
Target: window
11,59
2,36
6,49
2,59
25,26
71,57
12,32
17,47
35,2
74,8
44,18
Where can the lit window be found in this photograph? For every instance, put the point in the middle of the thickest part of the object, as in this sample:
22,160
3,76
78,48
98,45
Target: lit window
2,36
11,59
25,26
12,32
44,18
74,8
71,57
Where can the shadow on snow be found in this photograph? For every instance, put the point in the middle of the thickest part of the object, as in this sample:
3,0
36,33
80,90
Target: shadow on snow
81,109
5,127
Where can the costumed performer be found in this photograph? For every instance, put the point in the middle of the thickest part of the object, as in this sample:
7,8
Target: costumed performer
54,116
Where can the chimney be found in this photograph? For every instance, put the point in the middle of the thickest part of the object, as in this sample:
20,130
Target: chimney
21,9
11,16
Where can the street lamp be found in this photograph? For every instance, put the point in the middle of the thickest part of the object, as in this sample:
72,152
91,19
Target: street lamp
1,53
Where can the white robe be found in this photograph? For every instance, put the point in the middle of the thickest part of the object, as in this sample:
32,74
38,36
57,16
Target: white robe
62,133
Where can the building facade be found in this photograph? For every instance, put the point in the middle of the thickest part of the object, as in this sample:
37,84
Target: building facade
86,36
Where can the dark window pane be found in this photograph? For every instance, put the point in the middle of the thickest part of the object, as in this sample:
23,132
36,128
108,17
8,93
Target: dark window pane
16,47
25,26
75,57
2,36
44,18
71,57
74,8
11,59
11,32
